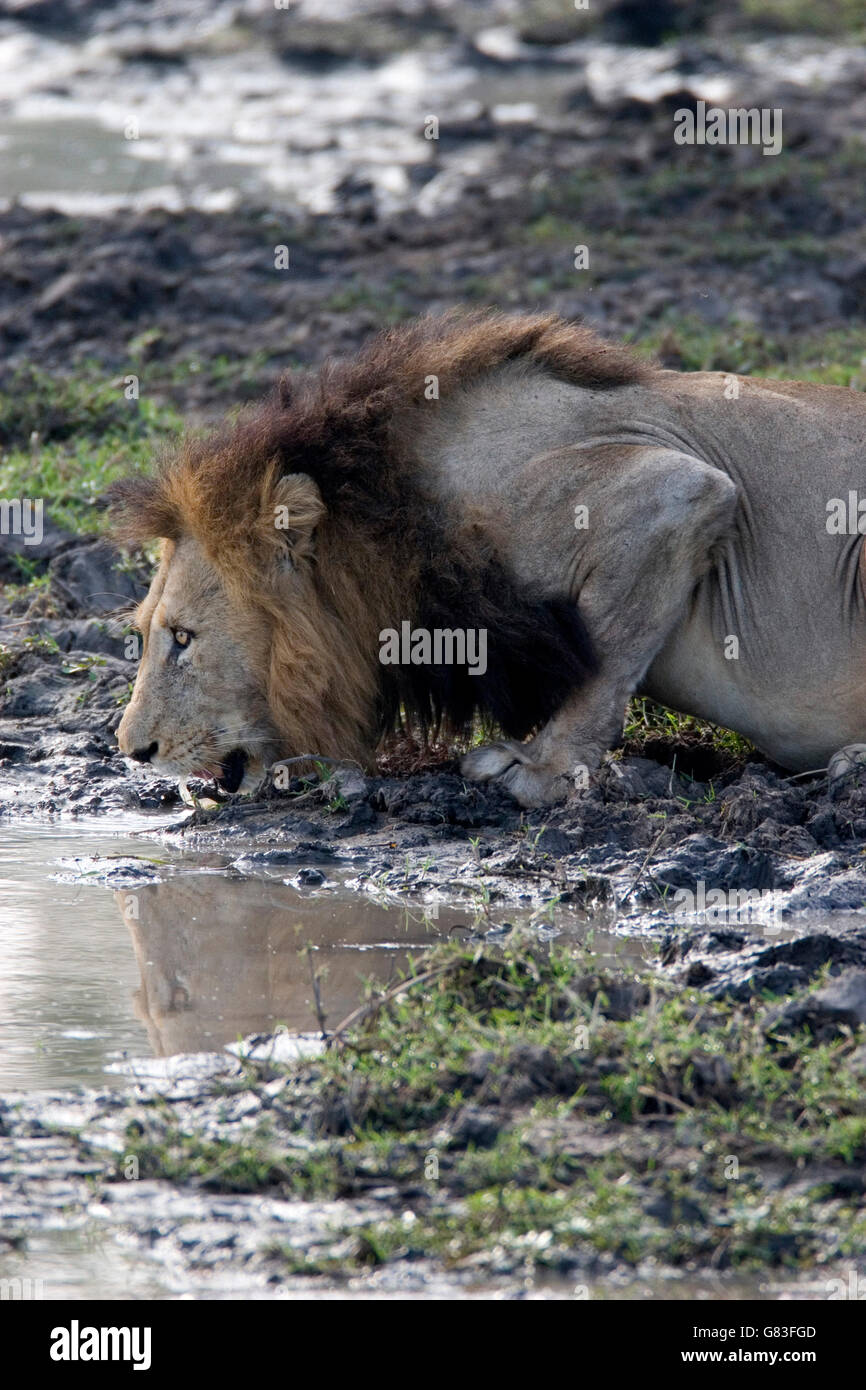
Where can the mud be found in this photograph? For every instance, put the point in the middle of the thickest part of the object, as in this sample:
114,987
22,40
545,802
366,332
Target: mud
541,141
751,884
654,838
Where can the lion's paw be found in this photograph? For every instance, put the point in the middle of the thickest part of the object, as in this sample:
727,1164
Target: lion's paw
847,760
530,783
482,764
534,785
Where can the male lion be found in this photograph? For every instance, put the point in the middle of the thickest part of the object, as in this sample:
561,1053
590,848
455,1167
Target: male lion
607,525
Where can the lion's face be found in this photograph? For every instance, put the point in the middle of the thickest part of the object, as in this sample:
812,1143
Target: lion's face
200,700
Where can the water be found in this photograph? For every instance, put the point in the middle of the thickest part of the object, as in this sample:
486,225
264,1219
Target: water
92,974
90,125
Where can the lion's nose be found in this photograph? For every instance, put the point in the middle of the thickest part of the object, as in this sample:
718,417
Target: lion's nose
144,755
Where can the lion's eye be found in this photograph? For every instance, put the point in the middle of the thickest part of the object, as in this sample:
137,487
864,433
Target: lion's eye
181,636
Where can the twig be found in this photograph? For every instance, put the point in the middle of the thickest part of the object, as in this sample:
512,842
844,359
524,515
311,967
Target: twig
668,1100
650,852
321,1016
368,1010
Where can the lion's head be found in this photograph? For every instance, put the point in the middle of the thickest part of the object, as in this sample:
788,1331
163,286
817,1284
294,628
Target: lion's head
294,537
200,700
249,655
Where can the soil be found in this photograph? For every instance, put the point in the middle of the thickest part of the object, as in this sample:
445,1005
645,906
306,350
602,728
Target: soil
753,883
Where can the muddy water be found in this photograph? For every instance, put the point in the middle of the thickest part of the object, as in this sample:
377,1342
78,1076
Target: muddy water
192,112
113,948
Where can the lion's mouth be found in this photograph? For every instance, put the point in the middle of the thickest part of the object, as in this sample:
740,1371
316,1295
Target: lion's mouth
232,769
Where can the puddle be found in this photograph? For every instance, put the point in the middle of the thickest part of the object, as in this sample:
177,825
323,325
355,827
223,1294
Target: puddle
95,973
71,1264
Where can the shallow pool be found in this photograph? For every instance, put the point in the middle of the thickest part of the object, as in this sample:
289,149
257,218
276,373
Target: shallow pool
99,964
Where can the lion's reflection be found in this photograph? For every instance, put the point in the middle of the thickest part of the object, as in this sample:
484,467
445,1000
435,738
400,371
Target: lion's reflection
221,958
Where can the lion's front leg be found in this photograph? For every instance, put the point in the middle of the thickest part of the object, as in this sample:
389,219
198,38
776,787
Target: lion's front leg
659,513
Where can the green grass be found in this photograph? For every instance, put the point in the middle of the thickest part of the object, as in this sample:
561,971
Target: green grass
391,303
830,359
691,746
733,208
682,1132
64,439
829,17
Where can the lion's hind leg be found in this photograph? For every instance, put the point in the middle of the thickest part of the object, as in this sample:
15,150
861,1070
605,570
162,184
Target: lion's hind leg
659,514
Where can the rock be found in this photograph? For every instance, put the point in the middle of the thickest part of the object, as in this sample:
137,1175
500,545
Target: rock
88,579
53,540
840,1004
474,1126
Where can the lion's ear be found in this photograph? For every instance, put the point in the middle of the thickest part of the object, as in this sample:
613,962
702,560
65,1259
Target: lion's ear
297,509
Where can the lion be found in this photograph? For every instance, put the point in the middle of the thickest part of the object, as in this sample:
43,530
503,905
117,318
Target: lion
607,526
